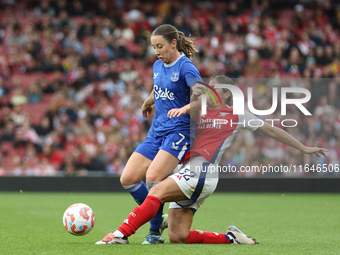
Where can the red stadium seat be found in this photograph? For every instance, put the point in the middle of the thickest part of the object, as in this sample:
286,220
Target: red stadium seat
27,79
37,110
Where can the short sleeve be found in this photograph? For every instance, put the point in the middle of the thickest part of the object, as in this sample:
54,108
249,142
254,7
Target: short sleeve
191,74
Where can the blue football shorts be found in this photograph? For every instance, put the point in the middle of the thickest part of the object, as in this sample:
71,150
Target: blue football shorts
176,143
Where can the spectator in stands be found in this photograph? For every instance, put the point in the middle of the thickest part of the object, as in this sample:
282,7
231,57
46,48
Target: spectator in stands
69,166
49,88
65,21
34,93
60,5
15,35
78,8
52,63
114,85
254,67
3,89
71,42
320,56
53,155
88,57
22,168
8,133
27,134
18,116
45,23
295,63
6,117
125,30
44,7
18,97
29,34
44,128
44,168
254,38
102,8
128,74
88,28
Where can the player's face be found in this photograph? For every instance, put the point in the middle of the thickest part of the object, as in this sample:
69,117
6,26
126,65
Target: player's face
163,49
223,95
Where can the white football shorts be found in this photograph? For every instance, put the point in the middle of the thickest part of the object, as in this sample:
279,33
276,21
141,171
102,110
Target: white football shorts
197,179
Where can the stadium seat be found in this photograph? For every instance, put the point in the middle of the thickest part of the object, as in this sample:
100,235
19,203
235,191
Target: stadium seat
28,79
37,110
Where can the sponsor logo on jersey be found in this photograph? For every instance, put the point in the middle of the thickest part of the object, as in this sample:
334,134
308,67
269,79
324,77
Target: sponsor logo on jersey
175,76
166,94
223,114
155,75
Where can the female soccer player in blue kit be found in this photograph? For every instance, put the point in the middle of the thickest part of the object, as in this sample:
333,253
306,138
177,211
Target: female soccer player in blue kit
168,139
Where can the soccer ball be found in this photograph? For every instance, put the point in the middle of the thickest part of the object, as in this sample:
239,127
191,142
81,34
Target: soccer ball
78,219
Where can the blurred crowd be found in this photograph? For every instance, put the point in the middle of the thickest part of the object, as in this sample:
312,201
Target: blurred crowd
74,74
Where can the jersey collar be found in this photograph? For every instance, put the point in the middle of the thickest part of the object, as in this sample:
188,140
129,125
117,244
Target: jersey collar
173,63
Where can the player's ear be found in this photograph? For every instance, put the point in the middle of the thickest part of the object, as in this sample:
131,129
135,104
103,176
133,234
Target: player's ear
226,95
174,43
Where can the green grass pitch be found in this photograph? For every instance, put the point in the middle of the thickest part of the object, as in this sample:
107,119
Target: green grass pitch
282,223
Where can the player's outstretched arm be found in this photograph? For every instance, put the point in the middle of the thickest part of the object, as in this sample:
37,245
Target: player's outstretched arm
147,105
284,137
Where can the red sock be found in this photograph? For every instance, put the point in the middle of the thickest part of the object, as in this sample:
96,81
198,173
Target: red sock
140,215
198,236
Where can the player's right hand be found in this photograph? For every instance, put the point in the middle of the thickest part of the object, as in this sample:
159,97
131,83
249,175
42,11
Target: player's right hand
147,110
315,150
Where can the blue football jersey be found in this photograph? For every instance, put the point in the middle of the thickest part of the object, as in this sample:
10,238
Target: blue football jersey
172,83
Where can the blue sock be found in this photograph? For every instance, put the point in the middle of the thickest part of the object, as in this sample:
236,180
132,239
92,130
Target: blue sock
138,190
156,222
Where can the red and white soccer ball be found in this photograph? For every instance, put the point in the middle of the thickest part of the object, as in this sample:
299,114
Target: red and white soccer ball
78,219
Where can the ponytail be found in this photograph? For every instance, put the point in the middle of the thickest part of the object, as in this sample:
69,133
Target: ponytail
186,45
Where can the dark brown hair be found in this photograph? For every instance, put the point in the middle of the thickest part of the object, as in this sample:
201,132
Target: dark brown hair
184,44
222,79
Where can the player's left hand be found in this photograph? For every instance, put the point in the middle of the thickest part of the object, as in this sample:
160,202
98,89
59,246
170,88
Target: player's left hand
315,150
176,112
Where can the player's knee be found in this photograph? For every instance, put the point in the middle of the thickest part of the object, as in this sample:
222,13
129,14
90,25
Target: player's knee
153,177
177,238
128,180
123,181
156,191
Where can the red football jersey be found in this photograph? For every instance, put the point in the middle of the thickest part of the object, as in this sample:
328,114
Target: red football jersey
216,130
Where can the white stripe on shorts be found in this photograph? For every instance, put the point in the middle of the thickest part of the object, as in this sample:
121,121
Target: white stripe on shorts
184,148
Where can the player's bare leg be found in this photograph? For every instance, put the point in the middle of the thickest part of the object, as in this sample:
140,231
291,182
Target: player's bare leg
162,165
133,174
135,169
167,191
179,224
